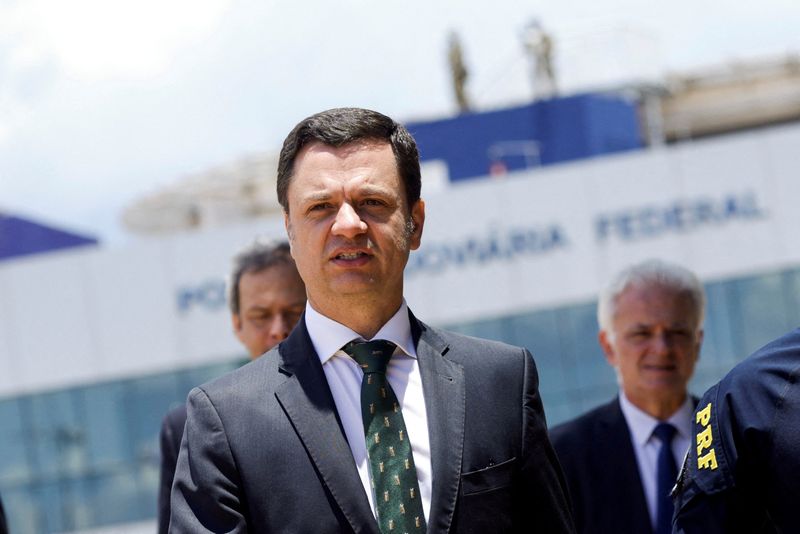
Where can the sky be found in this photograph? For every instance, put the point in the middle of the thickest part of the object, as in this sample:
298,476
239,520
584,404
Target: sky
105,101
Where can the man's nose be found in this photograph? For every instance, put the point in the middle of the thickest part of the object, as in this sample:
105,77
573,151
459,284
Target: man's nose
660,343
348,222
279,328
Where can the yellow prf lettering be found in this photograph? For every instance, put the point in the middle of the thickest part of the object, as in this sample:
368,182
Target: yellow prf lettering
704,415
704,440
709,461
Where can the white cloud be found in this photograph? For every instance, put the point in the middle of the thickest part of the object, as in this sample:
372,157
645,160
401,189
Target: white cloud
97,39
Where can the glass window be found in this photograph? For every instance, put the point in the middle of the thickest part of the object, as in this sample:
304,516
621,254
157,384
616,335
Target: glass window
108,440
107,499
590,369
58,433
761,312
199,375
539,333
148,401
495,329
14,465
719,339
23,510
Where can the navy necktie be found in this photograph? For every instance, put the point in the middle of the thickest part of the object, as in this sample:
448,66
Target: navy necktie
666,473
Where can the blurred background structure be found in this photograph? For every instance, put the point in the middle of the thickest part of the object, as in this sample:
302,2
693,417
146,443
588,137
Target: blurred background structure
535,197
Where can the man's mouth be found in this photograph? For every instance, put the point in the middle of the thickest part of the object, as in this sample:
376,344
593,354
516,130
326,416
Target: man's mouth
661,368
349,255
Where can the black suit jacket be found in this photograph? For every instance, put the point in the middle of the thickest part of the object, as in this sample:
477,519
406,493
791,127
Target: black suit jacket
170,441
264,451
3,525
596,453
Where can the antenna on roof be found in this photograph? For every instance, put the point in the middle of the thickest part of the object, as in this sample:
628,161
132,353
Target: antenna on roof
539,48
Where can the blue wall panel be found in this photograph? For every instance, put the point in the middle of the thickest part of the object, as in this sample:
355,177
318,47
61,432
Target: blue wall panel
20,237
562,129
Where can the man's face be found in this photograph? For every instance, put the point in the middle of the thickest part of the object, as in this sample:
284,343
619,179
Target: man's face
654,344
270,304
349,224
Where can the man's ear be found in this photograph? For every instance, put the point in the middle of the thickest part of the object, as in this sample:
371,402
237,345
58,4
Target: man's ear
289,233
236,322
604,338
700,334
417,224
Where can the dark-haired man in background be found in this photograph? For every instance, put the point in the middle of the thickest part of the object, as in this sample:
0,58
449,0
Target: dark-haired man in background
266,297
366,419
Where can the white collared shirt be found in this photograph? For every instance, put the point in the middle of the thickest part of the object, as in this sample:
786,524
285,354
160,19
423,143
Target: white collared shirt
344,379
646,445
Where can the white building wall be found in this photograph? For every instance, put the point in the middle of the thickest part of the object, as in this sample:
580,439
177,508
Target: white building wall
536,239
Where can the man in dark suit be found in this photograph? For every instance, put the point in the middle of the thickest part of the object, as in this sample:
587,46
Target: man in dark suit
266,297
620,459
366,419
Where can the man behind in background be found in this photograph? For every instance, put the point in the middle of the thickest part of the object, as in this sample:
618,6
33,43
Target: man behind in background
620,458
266,297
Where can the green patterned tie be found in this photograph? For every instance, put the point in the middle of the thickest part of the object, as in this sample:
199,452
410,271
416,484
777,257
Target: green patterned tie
394,477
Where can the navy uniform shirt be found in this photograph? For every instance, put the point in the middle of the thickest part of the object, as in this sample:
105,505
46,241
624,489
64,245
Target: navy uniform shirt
742,472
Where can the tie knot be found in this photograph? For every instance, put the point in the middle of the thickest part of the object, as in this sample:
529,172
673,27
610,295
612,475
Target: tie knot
665,432
373,356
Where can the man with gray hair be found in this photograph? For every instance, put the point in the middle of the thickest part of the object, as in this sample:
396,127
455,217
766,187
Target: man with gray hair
266,298
620,459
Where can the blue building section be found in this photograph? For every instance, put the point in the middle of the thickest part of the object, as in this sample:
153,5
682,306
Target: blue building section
540,133
21,237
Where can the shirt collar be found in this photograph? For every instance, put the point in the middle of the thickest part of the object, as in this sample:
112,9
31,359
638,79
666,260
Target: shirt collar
328,336
642,424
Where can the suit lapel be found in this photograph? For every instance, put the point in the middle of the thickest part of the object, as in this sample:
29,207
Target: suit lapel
444,389
307,401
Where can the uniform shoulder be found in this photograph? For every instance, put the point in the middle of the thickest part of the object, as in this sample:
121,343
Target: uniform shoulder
779,358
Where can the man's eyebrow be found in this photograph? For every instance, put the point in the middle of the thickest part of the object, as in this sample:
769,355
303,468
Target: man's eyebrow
370,189
316,196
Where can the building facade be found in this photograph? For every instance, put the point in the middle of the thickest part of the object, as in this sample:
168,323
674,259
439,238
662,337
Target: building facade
97,344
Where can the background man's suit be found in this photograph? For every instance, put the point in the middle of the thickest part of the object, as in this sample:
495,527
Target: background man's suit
264,450
170,437
599,463
3,526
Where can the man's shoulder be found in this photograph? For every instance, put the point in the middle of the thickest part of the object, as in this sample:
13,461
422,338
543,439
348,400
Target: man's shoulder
175,419
251,376
463,343
583,429
770,367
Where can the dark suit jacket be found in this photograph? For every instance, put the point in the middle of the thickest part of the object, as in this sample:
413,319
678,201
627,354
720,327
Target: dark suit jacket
170,440
264,451
3,525
599,462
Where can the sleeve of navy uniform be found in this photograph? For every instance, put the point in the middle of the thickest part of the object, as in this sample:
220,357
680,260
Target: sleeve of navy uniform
734,477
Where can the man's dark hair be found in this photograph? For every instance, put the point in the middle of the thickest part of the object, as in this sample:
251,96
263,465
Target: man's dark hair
342,126
256,257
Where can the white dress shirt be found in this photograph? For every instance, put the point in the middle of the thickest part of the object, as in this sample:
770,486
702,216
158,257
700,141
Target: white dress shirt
344,379
646,445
